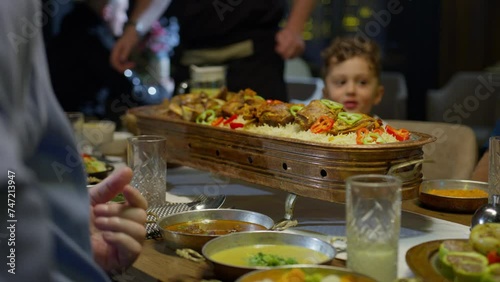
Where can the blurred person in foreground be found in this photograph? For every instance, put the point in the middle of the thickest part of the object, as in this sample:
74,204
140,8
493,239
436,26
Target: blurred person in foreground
352,74
481,171
242,35
82,76
56,229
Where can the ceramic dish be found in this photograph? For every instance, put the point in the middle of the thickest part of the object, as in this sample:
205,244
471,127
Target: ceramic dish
275,274
462,203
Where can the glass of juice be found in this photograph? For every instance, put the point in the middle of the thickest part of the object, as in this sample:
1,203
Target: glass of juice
373,220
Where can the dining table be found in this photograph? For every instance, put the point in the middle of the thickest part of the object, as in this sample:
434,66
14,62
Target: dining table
315,217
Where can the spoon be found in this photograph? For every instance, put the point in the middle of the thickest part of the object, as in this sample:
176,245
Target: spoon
487,213
206,202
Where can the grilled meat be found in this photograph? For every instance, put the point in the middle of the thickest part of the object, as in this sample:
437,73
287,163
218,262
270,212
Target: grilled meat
310,113
274,114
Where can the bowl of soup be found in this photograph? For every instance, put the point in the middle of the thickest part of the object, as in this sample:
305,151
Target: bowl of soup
192,229
236,254
453,195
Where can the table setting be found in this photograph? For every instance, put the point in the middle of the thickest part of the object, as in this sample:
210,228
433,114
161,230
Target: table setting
316,218
360,199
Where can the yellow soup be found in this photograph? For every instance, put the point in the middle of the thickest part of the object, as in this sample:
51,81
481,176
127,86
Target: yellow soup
241,256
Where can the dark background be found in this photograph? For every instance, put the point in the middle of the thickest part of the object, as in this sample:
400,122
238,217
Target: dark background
428,41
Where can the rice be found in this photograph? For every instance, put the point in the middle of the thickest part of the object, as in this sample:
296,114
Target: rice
295,132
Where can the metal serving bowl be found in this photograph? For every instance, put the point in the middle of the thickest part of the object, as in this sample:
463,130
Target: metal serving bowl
231,272
178,240
449,203
324,270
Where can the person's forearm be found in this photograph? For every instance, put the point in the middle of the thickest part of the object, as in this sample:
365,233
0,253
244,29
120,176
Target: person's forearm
299,14
146,12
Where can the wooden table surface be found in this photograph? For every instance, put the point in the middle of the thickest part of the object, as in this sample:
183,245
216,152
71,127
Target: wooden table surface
160,263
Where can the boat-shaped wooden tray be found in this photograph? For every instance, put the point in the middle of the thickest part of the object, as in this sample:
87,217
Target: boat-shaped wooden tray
309,169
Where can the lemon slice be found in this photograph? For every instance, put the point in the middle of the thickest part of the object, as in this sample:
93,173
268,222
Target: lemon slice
463,266
485,237
454,246
492,274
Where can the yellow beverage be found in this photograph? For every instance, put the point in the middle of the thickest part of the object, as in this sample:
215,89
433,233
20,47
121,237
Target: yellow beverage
378,262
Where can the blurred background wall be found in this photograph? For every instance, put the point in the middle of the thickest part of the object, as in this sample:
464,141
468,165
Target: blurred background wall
427,41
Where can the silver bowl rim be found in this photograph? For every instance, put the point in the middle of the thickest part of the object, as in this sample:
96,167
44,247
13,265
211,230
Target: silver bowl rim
255,233
208,211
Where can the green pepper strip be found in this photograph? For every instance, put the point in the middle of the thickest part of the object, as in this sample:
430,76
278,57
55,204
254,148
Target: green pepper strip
294,109
206,117
331,104
349,118
372,138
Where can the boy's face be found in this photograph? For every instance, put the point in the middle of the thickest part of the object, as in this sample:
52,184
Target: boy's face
354,84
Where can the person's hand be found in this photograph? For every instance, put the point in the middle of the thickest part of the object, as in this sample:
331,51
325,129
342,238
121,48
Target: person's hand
123,48
289,44
117,230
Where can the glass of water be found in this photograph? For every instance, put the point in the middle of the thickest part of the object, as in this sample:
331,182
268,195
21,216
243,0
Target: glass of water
146,157
373,216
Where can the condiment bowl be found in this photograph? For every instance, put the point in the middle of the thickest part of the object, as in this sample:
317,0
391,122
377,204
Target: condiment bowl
453,195
231,253
211,223
322,271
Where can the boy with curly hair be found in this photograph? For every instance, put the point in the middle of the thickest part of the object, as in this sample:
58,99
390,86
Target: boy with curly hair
352,74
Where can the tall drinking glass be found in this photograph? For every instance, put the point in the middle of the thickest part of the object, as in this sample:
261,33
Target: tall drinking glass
146,157
494,172
373,216
77,119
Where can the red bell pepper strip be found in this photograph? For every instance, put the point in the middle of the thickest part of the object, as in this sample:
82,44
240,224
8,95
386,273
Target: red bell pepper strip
493,257
322,124
229,120
218,121
361,134
400,134
235,125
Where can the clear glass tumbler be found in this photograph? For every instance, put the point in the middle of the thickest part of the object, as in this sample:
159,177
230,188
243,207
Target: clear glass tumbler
494,172
77,119
146,158
373,220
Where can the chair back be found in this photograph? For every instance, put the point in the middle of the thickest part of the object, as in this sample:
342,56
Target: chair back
304,89
469,98
393,104
454,154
